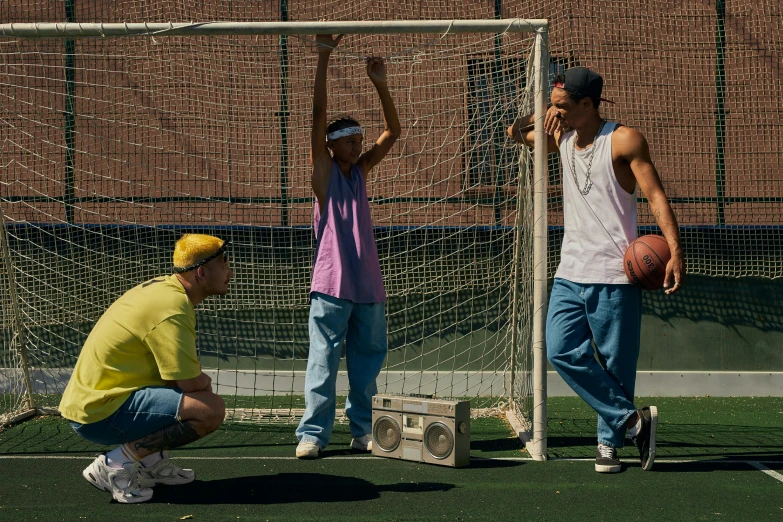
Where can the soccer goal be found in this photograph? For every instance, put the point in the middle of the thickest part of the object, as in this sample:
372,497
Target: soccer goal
119,137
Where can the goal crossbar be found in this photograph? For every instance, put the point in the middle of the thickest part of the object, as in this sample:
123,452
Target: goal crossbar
73,29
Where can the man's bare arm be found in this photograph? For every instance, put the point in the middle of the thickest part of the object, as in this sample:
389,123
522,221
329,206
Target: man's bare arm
201,383
523,130
376,71
634,148
320,158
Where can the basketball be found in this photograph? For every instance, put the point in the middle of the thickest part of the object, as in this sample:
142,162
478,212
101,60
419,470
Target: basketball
645,261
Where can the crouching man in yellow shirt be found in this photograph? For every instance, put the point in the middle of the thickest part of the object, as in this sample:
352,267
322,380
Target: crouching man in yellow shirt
138,382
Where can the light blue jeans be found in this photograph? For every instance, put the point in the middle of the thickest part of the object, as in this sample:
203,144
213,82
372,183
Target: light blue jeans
146,411
363,328
609,316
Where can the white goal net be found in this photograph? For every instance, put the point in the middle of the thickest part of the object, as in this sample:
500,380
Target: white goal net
118,138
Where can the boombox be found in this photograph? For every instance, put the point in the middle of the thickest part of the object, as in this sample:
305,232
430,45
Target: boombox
422,429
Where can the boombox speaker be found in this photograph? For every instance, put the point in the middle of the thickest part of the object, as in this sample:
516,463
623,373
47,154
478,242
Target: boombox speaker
421,429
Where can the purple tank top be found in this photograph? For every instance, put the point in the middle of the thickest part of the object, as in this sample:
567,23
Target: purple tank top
346,262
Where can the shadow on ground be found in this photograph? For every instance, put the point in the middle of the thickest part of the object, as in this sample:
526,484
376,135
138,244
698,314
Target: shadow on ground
284,488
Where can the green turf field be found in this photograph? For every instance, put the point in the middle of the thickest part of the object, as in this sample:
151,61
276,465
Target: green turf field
718,459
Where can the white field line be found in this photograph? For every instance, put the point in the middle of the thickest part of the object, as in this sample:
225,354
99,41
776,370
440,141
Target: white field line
758,464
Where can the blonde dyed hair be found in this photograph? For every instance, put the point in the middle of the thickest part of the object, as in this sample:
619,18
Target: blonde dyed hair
192,248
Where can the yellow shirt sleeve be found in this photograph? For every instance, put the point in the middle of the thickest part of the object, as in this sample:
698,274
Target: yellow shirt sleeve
173,344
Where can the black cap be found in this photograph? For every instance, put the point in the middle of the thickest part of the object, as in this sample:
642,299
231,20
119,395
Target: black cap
581,82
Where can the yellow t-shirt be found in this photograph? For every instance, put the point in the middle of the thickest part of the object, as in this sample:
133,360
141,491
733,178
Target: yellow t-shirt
147,337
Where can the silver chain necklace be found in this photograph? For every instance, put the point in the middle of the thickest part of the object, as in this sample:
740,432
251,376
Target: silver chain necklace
588,182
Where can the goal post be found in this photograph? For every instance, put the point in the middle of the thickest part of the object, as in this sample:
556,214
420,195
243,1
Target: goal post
119,137
537,446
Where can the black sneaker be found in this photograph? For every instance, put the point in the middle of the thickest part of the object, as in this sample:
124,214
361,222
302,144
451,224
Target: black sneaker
606,460
645,439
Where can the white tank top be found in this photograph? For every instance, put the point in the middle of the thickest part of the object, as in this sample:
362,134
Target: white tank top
600,224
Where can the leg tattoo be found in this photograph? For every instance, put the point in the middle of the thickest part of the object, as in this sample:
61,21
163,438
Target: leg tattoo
170,437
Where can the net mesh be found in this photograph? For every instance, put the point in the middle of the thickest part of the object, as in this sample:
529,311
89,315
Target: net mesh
115,147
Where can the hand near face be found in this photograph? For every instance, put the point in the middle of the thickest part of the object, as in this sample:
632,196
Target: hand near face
553,122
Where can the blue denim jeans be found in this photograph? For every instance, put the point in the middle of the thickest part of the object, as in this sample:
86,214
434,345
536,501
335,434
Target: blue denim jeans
363,328
609,316
146,411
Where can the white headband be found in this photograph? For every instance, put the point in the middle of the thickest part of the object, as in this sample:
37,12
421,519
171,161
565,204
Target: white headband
348,131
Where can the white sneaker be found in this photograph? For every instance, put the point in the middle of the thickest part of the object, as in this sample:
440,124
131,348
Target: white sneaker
165,472
308,450
363,443
122,483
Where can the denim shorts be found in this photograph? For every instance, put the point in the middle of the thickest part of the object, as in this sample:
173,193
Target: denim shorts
146,411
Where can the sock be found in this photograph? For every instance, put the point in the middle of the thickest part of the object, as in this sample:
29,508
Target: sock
120,456
635,428
151,460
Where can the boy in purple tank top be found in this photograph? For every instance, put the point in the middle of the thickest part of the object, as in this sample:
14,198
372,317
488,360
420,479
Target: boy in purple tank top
347,297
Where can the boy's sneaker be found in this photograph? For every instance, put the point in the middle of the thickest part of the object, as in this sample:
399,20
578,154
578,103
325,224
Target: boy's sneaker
645,439
122,483
308,450
606,460
363,443
165,472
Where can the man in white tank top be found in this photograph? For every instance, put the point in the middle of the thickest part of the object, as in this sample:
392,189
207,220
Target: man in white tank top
592,301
